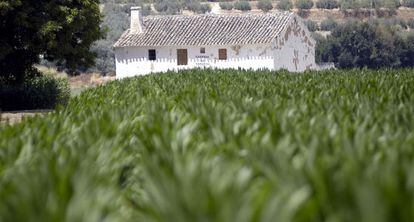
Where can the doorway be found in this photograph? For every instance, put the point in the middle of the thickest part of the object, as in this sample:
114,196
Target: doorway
182,57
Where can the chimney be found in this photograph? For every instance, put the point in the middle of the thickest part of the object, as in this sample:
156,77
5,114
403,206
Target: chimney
136,21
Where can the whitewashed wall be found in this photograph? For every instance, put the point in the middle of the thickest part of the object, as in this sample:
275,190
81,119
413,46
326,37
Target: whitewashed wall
134,61
294,50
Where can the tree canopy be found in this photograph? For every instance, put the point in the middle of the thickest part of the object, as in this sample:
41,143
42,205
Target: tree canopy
57,30
366,44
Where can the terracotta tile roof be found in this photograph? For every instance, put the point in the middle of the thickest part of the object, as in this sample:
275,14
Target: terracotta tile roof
231,29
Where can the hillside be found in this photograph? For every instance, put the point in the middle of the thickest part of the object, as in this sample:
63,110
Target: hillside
316,12
218,146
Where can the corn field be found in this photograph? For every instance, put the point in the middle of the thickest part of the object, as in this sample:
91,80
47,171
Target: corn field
210,145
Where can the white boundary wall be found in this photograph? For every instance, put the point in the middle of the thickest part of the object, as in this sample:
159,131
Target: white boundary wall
134,61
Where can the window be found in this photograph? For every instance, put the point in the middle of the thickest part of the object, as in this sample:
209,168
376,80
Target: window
152,55
203,50
222,54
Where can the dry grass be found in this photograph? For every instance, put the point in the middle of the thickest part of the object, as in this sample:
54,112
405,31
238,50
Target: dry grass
89,80
16,117
51,71
84,80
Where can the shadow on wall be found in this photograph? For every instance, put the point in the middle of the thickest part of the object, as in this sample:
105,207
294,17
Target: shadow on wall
170,60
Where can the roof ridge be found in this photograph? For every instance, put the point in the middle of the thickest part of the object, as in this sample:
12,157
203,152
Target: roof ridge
241,14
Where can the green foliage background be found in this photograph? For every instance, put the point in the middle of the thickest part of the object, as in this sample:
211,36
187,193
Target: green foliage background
366,44
42,92
59,31
219,146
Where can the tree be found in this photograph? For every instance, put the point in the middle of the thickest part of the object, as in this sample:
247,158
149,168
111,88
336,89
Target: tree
205,8
116,21
194,6
265,5
328,24
408,3
405,50
285,5
197,7
304,4
410,23
312,26
243,6
56,30
170,7
327,4
226,5
357,44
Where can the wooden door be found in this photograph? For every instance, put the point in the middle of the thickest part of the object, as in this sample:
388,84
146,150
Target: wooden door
182,57
222,54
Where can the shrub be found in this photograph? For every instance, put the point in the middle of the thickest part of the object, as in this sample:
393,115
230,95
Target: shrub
387,4
304,4
170,7
265,5
392,22
284,5
312,26
193,6
355,4
146,10
328,24
405,50
410,23
41,92
327,4
205,8
243,6
226,5
198,7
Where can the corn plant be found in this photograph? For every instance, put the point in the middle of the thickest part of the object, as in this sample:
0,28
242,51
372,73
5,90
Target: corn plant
218,145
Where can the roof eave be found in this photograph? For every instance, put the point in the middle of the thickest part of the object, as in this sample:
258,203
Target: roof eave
190,45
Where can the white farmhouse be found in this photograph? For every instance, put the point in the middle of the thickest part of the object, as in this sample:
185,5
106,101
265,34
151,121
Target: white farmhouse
249,41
